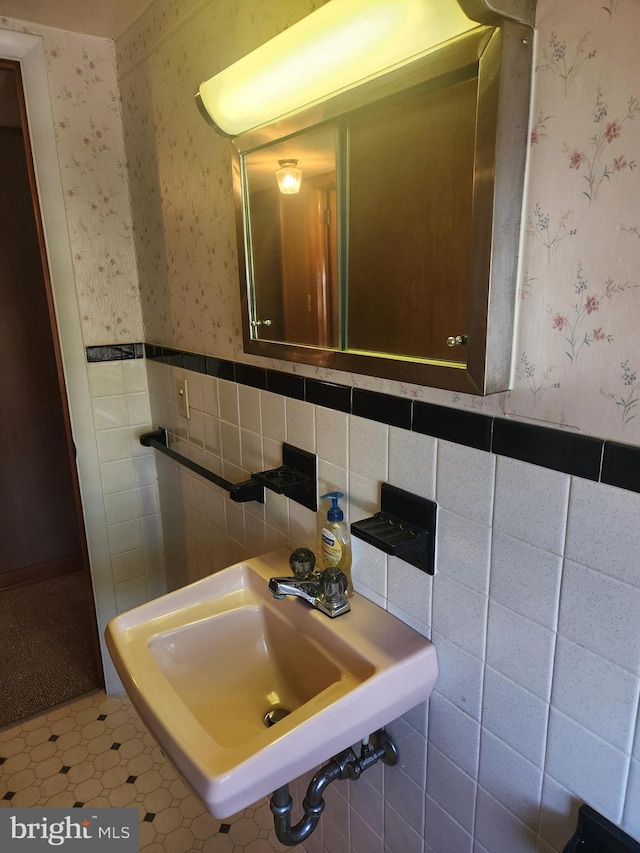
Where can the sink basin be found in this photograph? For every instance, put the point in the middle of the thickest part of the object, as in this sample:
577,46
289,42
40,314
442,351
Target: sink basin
244,692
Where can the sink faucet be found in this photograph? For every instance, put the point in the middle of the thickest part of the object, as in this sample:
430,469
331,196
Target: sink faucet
322,590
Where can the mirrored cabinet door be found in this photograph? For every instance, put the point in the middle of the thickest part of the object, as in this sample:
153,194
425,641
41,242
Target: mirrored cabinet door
410,208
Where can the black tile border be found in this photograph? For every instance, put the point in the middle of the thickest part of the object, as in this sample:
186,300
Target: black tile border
384,408
113,352
286,384
579,455
197,363
247,374
221,368
329,395
457,425
595,459
621,466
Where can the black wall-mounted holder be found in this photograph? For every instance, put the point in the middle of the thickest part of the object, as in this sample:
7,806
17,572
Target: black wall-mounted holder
247,490
405,527
596,834
295,478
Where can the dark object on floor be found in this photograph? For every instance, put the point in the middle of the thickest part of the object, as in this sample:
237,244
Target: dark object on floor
596,834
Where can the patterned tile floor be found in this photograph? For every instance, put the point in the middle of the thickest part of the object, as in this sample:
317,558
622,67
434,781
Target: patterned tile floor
95,751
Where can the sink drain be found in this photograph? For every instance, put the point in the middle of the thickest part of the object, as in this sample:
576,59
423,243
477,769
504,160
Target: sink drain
274,716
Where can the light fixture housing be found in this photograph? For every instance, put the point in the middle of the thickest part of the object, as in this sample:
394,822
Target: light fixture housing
289,177
340,45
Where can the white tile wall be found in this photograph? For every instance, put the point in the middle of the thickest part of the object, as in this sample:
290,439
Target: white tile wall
409,594
497,828
510,778
121,409
531,503
632,804
332,437
460,614
464,550
534,610
558,813
412,462
526,579
367,804
465,481
442,832
603,531
515,715
521,649
582,679
451,788
454,733
587,765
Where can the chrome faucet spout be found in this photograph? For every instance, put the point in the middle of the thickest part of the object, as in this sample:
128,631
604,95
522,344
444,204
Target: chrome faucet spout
322,590
306,589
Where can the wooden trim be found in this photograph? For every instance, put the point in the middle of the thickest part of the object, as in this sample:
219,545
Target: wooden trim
40,571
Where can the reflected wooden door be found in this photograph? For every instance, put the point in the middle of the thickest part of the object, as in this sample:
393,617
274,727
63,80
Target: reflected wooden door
309,263
410,214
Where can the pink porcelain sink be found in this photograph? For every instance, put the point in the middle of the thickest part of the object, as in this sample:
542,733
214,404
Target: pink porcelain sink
209,666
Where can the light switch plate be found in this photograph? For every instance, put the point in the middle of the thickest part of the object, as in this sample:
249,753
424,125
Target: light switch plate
183,397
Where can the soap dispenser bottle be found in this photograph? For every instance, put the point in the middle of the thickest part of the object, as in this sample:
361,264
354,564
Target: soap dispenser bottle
335,540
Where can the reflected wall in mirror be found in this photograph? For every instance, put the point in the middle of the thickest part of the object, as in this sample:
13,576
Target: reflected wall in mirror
403,238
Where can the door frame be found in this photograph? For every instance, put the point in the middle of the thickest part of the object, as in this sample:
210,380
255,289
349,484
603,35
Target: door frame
28,50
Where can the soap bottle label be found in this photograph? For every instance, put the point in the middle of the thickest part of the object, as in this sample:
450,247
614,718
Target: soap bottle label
331,548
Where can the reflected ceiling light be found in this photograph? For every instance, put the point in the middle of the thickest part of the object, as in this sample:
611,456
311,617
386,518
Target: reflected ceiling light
340,45
289,177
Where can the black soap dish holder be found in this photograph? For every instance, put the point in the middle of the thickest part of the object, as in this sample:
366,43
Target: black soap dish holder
405,527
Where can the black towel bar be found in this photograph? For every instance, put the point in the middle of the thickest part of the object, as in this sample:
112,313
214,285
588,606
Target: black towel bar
247,490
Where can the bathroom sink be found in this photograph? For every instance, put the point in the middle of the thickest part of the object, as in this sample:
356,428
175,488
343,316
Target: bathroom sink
244,692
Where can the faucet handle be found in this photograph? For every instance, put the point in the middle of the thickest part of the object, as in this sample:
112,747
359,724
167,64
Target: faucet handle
302,563
333,583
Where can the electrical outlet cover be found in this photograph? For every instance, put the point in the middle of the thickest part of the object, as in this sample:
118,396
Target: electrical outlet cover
183,397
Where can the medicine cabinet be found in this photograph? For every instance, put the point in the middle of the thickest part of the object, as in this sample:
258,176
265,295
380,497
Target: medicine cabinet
397,256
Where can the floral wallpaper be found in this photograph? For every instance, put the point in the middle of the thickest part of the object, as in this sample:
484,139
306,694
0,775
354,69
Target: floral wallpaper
576,360
180,170
579,304
88,127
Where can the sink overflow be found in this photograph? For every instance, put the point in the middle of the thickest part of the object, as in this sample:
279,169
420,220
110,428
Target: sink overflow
274,716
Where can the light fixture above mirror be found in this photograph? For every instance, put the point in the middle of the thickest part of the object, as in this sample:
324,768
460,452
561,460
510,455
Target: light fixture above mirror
340,45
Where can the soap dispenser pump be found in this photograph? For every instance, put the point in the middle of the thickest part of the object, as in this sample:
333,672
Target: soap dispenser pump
335,540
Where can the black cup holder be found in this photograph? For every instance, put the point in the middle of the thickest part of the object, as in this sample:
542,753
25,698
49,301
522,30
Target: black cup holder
281,479
295,478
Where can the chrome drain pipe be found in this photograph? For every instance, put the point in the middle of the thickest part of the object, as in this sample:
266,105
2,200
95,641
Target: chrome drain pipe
345,765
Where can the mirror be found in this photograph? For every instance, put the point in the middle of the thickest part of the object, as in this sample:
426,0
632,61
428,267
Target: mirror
397,255
409,221
294,241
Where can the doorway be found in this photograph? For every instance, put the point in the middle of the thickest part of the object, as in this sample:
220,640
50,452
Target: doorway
48,634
